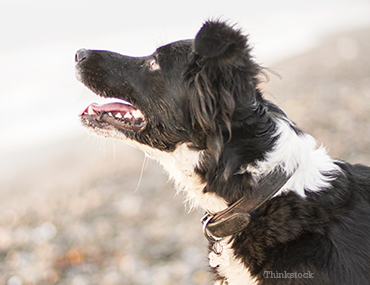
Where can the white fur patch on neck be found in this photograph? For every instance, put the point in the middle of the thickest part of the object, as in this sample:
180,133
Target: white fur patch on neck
297,154
180,166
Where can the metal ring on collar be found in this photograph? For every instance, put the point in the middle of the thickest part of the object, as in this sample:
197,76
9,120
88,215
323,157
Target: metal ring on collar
207,234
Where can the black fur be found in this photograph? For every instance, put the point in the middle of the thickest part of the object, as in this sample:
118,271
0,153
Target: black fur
326,234
206,95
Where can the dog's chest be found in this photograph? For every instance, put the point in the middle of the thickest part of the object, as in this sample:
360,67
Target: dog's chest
229,267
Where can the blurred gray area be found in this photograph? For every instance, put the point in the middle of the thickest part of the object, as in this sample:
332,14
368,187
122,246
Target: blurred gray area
80,215
77,213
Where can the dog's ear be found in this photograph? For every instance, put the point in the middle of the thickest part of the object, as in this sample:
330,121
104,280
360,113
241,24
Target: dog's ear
222,79
217,39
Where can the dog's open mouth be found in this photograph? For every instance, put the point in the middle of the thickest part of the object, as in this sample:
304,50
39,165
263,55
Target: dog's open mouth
121,115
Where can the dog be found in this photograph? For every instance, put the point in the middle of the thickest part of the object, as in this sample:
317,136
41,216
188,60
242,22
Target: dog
279,210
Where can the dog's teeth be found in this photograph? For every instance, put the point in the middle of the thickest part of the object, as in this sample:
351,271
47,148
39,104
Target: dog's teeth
118,115
110,114
128,116
137,114
90,111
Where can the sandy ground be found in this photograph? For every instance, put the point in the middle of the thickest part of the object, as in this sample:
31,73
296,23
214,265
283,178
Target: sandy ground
77,213
81,215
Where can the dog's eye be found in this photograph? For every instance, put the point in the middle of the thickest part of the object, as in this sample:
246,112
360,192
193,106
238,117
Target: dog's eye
153,65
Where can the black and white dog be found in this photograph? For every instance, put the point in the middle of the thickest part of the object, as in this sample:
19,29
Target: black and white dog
279,209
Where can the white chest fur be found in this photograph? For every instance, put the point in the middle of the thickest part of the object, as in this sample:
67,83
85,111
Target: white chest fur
235,272
180,166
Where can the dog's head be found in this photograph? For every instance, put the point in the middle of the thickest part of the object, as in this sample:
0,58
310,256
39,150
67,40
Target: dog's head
194,91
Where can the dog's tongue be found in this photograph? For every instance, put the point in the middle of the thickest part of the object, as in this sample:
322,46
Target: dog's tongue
110,107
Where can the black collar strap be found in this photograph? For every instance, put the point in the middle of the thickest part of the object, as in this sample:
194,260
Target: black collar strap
237,216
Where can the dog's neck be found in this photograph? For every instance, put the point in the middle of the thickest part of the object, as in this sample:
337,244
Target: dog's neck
180,166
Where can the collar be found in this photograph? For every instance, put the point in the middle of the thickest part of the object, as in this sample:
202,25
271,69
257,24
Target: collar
237,216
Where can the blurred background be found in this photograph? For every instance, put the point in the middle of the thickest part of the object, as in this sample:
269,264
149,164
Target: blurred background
77,209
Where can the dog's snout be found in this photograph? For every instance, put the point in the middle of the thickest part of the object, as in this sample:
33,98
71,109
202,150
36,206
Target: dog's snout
81,54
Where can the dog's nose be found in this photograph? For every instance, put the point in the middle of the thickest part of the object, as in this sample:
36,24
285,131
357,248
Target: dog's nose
81,54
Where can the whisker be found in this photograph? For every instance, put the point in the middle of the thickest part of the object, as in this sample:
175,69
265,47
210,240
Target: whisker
144,165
